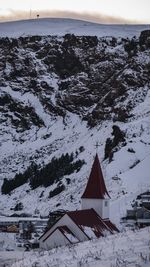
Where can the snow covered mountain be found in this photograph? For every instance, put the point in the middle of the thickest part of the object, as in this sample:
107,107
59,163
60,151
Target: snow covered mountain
60,27
63,93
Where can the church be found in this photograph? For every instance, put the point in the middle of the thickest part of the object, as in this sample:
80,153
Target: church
92,221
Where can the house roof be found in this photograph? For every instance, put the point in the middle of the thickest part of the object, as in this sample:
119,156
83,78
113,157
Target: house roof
66,233
89,218
89,222
111,226
96,187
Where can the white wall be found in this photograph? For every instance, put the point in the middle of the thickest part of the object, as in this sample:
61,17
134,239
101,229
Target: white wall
65,220
56,239
98,205
106,208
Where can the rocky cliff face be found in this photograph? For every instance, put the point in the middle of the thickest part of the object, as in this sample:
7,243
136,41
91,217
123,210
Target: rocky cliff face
84,75
47,81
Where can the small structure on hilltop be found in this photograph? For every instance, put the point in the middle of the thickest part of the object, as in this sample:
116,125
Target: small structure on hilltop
92,221
139,216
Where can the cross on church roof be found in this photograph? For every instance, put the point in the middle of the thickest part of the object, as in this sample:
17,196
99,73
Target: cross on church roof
96,146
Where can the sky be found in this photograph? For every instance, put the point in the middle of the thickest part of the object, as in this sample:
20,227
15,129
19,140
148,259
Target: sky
103,11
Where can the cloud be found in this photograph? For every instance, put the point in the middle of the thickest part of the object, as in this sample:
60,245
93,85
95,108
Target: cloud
93,17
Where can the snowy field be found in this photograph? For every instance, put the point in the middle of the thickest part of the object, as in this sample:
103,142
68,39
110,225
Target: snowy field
128,249
51,26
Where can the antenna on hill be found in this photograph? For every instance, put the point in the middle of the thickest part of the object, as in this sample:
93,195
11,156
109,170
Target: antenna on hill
30,13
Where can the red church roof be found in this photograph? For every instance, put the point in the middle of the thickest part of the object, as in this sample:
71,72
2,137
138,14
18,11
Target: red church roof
96,187
90,219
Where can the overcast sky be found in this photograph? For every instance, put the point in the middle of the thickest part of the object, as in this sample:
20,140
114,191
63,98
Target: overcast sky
106,11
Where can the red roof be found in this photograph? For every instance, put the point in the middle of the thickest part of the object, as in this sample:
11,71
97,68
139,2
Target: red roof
96,187
85,219
90,218
66,232
111,226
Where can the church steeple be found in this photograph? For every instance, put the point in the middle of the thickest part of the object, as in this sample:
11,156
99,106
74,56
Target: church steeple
96,195
96,187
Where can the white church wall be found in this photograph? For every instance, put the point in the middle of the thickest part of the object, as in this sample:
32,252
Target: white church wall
54,240
106,207
99,205
65,220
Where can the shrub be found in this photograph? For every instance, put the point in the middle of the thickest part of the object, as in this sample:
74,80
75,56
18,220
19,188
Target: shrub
108,147
52,172
131,150
81,149
119,136
18,180
56,191
55,170
18,207
135,163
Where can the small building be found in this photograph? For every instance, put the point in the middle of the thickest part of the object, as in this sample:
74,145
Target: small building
92,221
143,200
139,216
24,226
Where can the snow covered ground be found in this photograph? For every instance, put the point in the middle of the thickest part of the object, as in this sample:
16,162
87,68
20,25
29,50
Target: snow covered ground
7,241
127,249
51,26
8,258
9,252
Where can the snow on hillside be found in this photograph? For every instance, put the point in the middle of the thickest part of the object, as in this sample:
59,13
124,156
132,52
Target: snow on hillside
51,26
123,191
128,249
128,174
